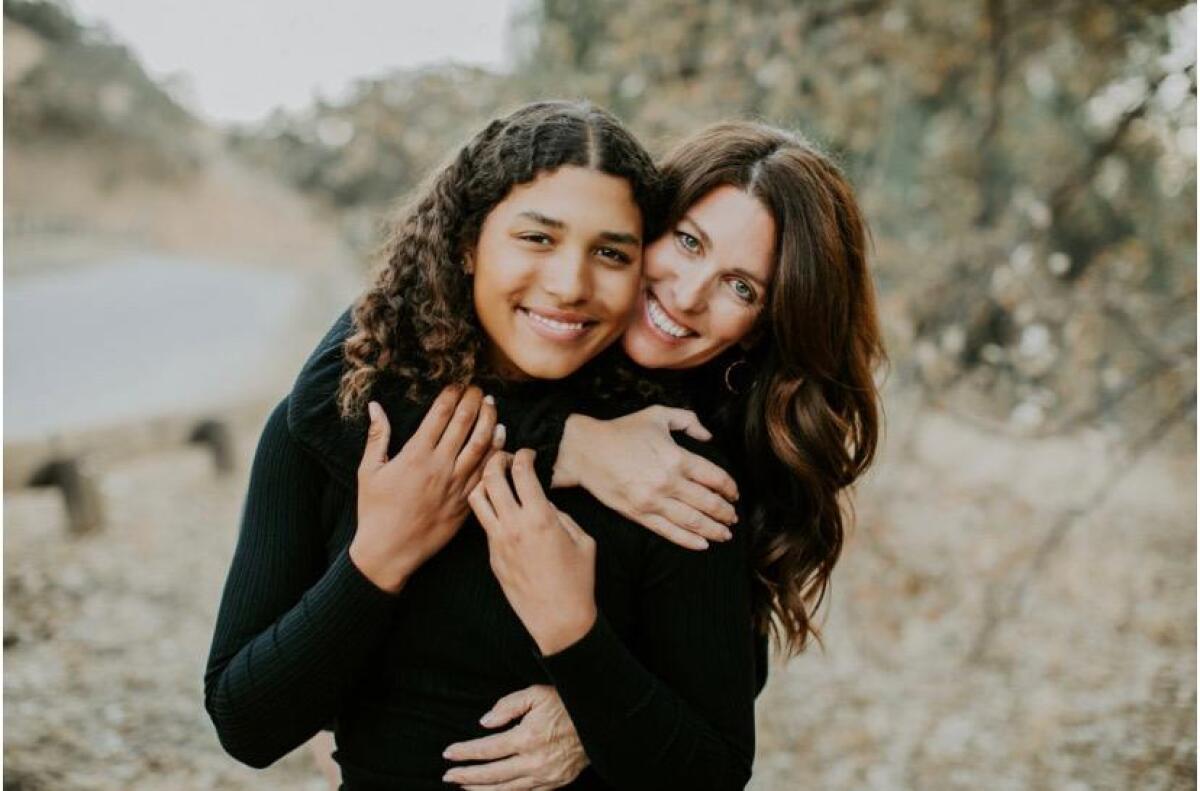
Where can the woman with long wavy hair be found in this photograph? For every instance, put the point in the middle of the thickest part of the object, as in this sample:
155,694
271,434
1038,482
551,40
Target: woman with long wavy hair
758,300
362,598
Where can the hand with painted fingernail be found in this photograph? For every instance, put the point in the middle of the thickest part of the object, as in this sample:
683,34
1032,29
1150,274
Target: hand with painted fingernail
410,506
544,561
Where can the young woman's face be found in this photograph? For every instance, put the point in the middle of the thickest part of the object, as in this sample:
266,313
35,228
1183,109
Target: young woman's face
557,269
706,282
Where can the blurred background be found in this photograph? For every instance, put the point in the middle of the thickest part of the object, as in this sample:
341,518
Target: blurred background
191,195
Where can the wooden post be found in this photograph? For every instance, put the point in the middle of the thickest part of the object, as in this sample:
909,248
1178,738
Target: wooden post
80,490
216,434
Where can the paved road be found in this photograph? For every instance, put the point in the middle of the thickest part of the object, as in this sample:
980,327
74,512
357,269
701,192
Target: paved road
144,336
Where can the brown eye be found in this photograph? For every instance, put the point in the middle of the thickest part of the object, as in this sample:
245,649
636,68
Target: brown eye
535,238
614,255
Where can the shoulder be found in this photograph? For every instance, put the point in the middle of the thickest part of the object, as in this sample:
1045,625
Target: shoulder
314,417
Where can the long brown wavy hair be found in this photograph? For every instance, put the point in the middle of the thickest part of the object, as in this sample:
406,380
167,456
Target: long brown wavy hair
810,413
417,321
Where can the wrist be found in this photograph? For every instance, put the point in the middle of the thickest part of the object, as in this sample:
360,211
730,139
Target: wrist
576,430
562,635
388,577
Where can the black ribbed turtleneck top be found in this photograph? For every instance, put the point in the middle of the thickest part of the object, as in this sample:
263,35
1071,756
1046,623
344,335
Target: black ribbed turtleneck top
661,689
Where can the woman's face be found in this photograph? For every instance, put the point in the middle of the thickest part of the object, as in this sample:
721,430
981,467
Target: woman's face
706,282
557,269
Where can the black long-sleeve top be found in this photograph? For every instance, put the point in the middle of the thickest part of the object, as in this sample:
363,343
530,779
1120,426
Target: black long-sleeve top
660,690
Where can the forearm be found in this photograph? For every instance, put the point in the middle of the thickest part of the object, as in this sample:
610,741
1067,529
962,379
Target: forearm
637,732
292,628
673,708
270,693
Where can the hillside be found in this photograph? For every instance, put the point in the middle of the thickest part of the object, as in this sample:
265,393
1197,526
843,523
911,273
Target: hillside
100,159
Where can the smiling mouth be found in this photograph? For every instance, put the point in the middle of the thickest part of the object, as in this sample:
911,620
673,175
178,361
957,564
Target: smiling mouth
657,317
559,327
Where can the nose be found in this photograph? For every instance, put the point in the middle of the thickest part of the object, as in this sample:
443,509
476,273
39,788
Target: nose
568,279
689,290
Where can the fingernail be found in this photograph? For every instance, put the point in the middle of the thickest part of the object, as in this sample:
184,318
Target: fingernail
373,410
448,777
703,544
498,434
726,535
448,753
487,399
487,719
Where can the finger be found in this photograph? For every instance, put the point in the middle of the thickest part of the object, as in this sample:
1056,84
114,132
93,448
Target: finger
706,501
435,420
485,748
499,435
510,707
506,770
461,422
477,475
705,473
499,493
480,441
529,490
674,533
572,527
481,506
685,420
689,518
375,452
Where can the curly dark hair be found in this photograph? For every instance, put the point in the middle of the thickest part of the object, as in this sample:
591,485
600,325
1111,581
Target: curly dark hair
417,322
808,423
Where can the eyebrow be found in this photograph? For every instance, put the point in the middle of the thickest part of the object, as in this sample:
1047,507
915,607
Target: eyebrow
708,243
615,237
542,219
750,276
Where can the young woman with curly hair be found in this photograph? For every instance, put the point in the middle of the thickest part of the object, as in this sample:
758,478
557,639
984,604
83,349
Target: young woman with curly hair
758,300
362,597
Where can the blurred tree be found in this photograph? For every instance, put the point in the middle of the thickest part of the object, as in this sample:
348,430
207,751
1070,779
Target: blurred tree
87,87
1028,168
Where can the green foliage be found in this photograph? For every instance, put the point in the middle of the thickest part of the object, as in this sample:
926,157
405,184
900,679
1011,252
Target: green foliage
49,20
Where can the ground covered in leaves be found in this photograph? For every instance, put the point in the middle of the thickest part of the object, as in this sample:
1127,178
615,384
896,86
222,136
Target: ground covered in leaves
1008,614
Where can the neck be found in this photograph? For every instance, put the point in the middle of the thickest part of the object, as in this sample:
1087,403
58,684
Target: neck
503,368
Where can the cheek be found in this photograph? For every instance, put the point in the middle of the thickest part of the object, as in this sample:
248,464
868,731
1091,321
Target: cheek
618,289
660,260
496,279
731,324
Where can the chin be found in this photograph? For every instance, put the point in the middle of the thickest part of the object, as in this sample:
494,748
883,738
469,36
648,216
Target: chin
645,352
548,369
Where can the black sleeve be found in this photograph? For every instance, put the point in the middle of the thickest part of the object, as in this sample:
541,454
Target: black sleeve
678,712
293,629
762,662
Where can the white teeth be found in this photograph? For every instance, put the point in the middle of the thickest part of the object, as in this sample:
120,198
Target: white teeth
663,321
561,326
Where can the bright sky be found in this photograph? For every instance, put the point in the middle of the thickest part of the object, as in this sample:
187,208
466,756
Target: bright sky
242,59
